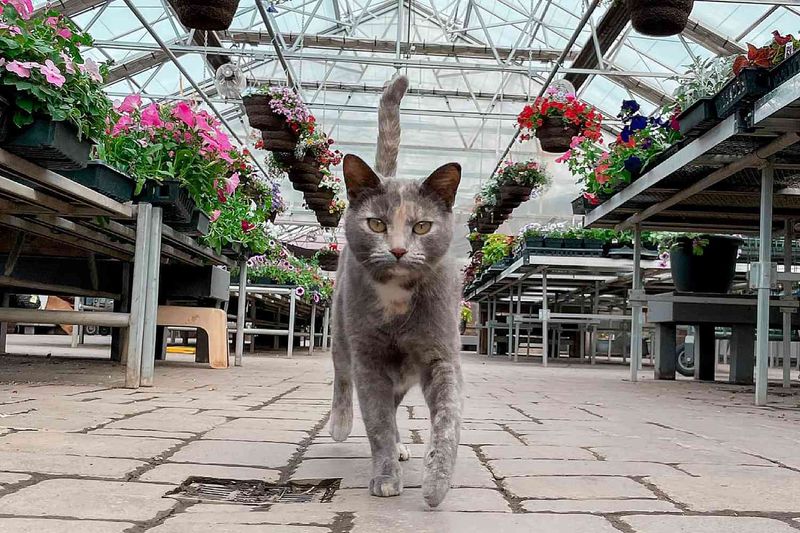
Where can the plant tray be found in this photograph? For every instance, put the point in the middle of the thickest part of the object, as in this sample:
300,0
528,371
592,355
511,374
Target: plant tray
700,117
567,252
233,249
50,144
198,226
785,70
172,197
104,179
741,91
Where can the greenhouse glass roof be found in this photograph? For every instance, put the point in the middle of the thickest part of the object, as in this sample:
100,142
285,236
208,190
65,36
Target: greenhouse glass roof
472,64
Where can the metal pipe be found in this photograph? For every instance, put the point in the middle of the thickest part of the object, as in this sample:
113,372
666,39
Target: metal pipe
787,315
292,307
545,311
763,284
311,329
39,316
636,311
151,299
133,370
287,68
555,69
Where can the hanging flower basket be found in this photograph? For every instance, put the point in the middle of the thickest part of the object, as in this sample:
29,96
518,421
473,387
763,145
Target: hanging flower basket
328,260
328,220
555,135
659,18
514,194
305,181
260,115
210,15
279,141
318,200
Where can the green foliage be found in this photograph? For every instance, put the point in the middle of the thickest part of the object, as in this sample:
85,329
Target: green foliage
496,247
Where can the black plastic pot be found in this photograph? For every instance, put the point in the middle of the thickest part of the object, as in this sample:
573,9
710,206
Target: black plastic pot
785,70
698,118
172,197
211,15
553,242
534,242
233,249
104,179
328,220
750,85
573,244
50,144
593,244
710,272
198,226
555,135
659,18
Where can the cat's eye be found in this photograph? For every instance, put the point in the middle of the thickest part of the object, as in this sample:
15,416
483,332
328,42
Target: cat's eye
377,225
421,228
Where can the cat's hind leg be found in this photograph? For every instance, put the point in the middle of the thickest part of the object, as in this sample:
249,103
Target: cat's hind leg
403,453
441,385
342,407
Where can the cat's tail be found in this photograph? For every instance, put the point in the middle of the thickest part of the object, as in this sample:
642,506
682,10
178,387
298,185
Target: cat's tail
389,126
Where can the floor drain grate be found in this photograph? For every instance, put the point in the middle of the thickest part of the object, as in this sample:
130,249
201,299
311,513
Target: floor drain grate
256,492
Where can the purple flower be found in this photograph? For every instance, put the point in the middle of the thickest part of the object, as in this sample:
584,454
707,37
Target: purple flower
633,164
316,297
300,291
630,106
638,123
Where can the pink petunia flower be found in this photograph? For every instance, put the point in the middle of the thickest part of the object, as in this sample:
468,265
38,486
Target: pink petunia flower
68,64
21,69
64,33
225,156
130,103
184,113
52,22
23,7
122,125
52,74
151,117
91,68
232,183
565,157
215,215
13,30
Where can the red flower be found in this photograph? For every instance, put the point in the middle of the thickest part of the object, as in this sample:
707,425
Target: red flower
780,39
247,226
221,196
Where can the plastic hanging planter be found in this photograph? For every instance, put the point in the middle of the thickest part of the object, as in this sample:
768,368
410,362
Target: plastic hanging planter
50,144
210,15
104,179
659,18
554,135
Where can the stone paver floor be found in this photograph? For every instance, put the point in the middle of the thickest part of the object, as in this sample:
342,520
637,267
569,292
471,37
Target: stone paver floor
561,449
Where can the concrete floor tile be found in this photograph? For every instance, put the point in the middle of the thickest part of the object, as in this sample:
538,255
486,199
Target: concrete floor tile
42,525
576,487
535,452
534,467
599,505
706,524
177,473
69,465
463,499
169,421
56,443
255,435
223,452
441,522
89,499
8,478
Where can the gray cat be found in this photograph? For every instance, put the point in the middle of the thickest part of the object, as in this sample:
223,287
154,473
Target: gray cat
395,312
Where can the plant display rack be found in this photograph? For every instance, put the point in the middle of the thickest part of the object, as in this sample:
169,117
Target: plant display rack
65,238
738,177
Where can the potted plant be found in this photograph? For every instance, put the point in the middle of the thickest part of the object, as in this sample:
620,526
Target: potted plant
555,119
699,262
331,219
54,95
105,179
209,15
659,18
466,316
280,114
605,172
278,267
693,96
497,251
328,257
519,181
475,241
786,59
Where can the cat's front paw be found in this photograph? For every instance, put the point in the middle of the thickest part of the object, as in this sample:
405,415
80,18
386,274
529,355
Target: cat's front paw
436,476
403,453
385,486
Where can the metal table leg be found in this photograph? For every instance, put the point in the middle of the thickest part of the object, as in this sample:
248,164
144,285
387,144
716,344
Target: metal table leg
241,311
545,315
326,319
290,338
787,315
763,283
138,298
151,301
665,351
311,332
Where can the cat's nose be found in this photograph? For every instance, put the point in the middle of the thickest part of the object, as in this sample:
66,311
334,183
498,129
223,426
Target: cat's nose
398,252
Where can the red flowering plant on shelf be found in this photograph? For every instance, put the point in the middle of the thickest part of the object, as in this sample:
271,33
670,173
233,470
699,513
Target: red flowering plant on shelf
604,172
569,109
780,48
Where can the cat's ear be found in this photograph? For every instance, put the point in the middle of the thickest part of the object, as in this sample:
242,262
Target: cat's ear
358,177
443,183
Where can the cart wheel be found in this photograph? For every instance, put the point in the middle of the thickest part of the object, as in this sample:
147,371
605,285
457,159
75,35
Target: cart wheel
685,362
90,330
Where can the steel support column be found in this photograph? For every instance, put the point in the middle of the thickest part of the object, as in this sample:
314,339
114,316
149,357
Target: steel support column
636,309
763,284
241,311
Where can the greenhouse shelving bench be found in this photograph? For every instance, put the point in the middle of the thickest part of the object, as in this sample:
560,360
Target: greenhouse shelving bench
564,281
281,297
738,177
68,239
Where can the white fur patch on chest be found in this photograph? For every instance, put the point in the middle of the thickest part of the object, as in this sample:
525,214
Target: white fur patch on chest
393,298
